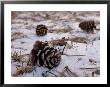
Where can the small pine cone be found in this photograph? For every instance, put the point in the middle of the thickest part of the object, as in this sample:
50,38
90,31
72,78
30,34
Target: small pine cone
41,30
87,26
45,56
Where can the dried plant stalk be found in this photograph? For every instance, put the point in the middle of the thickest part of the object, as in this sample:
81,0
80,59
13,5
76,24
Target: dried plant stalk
68,73
22,70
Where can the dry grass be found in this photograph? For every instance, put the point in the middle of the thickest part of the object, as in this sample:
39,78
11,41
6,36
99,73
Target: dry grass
18,22
79,39
78,19
60,30
13,14
22,70
16,57
20,57
58,42
17,35
68,73
72,39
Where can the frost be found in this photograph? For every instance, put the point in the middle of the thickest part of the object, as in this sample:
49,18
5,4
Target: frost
82,53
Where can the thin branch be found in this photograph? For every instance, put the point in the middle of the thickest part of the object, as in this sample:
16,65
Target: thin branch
70,72
73,55
51,73
90,68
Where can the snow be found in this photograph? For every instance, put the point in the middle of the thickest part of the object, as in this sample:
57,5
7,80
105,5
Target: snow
58,20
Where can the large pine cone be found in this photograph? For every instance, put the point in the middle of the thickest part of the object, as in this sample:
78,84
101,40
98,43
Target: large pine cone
87,26
43,55
41,30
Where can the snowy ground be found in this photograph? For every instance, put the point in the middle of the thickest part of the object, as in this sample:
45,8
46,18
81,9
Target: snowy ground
80,59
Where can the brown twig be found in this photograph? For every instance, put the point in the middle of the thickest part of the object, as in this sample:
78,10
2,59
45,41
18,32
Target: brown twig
51,73
73,55
90,68
70,72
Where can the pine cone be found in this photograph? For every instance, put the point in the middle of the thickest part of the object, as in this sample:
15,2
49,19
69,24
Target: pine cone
87,26
45,56
41,30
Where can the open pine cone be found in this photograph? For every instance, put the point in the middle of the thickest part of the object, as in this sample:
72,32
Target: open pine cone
87,26
43,55
41,30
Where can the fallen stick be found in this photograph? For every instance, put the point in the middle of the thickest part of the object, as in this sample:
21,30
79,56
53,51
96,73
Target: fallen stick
73,55
73,74
90,68
51,73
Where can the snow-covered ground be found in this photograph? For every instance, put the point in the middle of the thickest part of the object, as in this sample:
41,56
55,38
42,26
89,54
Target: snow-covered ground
81,58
